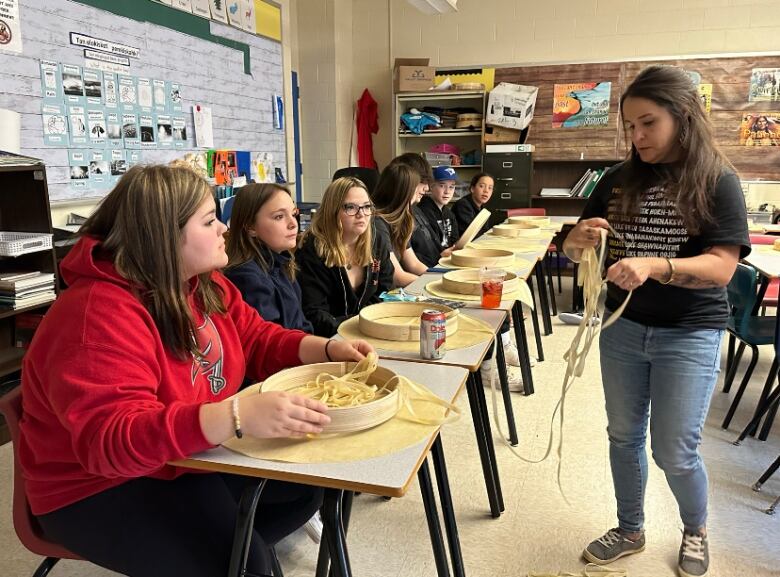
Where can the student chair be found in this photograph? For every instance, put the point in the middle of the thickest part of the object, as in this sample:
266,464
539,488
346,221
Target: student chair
552,250
749,329
771,295
26,525
369,176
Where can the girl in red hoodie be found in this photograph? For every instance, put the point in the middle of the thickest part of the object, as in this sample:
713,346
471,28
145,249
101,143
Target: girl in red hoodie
132,368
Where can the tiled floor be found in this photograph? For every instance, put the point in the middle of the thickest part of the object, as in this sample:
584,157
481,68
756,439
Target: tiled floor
539,531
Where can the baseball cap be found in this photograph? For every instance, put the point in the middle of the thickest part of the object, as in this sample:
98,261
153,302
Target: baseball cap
444,173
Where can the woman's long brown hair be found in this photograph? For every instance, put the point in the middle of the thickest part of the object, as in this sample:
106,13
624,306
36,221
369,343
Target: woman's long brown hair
241,247
690,181
139,226
393,197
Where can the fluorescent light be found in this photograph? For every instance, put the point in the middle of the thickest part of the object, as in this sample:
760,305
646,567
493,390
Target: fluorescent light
434,6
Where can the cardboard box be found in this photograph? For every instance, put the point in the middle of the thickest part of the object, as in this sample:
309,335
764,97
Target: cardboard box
511,105
498,135
412,75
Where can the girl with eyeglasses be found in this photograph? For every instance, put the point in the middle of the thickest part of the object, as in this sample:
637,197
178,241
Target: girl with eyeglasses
343,265
399,187
264,231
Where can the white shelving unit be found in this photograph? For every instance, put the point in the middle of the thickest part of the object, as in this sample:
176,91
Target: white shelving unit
465,140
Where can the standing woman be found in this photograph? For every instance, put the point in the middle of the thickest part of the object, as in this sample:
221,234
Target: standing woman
678,210
398,189
133,367
264,231
343,265
467,208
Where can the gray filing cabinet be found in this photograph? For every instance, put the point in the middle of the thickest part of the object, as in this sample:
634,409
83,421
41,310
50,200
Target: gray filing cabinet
512,173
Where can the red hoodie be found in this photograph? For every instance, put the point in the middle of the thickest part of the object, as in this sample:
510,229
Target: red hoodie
104,401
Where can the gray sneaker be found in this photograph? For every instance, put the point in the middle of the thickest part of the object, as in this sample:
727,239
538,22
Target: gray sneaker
694,559
612,545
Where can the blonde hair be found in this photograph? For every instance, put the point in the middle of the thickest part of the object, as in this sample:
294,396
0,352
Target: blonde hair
327,231
149,207
241,247
393,199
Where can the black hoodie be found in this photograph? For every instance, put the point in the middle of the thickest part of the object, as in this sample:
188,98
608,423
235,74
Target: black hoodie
328,298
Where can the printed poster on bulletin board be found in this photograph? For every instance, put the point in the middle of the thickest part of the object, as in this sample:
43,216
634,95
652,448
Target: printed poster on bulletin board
764,84
760,129
705,93
581,105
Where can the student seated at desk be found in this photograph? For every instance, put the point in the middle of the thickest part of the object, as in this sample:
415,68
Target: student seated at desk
467,208
344,266
264,231
133,367
433,214
399,188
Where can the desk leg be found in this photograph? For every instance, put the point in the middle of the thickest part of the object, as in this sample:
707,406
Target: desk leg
534,321
522,348
484,456
323,558
334,533
543,300
577,305
245,522
445,497
504,380
432,516
480,390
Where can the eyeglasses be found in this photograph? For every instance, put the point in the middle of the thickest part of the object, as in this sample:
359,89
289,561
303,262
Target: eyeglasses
352,209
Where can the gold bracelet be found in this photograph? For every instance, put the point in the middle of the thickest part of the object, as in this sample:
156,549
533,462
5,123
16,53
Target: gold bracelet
236,419
671,272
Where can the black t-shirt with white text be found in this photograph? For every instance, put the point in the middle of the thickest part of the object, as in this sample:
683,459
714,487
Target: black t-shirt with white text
658,231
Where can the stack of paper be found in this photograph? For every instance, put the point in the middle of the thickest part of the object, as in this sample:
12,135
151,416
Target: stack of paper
20,289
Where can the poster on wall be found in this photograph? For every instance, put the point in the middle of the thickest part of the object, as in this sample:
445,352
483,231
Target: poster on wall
113,129
99,169
164,131
128,95
55,124
185,5
248,14
159,92
10,31
118,164
174,94
201,8
110,89
77,120
96,124
584,104
179,124
145,98
218,11
79,169
130,130
705,94
93,86
72,84
204,131
764,84
147,131
760,129
235,13
51,87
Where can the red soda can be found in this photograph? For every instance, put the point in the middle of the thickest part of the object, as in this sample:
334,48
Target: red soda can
433,334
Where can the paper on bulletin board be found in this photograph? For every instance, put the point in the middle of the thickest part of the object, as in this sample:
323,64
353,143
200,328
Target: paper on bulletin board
10,31
179,124
760,129
55,124
72,84
96,125
764,84
128,93
182,5
248,15
147,130
110,89
78,161
118,164
93,86
159,96
164,131
77,120
130,130
99,169
201,8
705,93
113,129
218,12
145,98
51,83
204,131
235,13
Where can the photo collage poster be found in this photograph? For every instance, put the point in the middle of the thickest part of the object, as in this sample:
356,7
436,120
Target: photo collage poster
106,119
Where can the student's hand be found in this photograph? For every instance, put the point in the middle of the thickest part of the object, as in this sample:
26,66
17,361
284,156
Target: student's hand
447,252
277,414
349,350
587,233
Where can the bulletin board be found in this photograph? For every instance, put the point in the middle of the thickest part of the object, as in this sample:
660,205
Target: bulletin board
235,73
731,91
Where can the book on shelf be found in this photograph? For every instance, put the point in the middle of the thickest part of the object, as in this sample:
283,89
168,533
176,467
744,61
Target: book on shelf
17,280
36,299
555,192
587,183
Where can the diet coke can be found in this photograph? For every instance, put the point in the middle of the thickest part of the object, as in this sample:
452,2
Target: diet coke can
433,334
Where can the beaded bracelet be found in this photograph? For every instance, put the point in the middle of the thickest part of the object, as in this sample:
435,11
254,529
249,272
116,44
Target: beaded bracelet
237,419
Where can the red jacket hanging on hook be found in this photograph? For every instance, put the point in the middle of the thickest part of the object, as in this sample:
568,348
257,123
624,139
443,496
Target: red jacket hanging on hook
367,124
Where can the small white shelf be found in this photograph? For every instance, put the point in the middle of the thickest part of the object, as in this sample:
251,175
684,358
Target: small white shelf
441,132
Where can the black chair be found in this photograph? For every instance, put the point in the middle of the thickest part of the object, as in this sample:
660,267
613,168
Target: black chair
369,176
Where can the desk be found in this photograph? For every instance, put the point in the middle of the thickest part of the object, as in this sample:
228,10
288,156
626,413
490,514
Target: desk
470,358
767,261
388,476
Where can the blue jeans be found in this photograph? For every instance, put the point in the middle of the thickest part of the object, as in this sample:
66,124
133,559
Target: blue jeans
666,376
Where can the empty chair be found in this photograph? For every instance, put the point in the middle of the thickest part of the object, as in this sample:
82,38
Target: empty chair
369,176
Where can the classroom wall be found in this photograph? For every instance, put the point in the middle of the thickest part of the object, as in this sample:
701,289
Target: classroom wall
504,32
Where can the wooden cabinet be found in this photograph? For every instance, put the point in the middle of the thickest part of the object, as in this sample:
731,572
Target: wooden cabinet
24,207
465,140
561,174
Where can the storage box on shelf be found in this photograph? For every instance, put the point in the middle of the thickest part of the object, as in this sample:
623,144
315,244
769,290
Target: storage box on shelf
562,174
464,139
24,208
